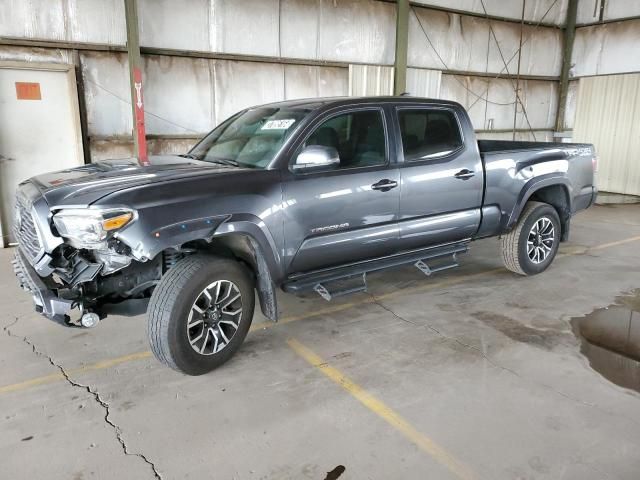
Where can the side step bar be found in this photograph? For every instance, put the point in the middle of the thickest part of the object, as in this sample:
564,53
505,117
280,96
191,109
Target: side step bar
328,295
319,280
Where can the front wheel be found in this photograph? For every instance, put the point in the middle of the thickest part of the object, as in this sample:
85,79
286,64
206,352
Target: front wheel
200,313
531,246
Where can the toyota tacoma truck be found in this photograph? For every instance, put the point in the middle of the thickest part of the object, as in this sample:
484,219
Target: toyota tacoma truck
301,195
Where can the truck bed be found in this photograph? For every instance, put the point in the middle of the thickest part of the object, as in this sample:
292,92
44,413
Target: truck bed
492,146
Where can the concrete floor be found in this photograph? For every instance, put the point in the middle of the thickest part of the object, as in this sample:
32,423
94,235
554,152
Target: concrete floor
473,373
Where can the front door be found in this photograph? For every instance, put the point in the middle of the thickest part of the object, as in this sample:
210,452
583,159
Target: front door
346,213
442,179
39,128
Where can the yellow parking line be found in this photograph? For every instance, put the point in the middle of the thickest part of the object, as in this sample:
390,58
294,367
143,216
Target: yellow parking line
385,412
294,318
615,244
54,377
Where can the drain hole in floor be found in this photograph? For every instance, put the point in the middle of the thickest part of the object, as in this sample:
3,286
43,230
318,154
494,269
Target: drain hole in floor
611,340
335,473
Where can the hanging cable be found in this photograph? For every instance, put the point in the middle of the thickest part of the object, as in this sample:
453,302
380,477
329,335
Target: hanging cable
147,112
447,67
506,67
505,62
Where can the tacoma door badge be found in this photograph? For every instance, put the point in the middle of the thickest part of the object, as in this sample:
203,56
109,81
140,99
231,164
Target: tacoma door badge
329,228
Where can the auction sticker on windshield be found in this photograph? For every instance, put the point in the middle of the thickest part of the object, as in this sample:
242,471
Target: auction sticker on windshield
278,124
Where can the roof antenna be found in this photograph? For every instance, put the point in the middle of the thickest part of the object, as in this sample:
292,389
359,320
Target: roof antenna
405,94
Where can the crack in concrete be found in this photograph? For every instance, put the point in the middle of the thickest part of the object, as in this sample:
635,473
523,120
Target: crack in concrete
94,393
494,364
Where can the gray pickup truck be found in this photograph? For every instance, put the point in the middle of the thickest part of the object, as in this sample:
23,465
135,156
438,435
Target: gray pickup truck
302,195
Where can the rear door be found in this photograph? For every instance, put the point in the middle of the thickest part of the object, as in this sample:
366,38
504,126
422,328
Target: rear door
348,213
441,178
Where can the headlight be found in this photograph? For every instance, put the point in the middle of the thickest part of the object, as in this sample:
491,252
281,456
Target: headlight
88,227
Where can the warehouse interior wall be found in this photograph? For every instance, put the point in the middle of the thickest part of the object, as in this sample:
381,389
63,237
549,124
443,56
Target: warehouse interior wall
206,59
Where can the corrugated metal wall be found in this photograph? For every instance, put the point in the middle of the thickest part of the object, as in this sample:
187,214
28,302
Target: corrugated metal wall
304,48
367,80
608,115
424,83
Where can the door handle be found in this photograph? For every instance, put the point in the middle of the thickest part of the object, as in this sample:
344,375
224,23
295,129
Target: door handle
465,174
384,185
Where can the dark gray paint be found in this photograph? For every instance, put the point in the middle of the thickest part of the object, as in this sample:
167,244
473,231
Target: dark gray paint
304,221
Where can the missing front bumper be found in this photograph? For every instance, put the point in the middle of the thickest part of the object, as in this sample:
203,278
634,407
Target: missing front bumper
46,300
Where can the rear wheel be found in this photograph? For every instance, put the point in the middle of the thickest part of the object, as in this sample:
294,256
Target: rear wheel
200,313
532,245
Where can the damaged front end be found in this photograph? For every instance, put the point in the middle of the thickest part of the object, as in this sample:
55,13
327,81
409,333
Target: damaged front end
71,258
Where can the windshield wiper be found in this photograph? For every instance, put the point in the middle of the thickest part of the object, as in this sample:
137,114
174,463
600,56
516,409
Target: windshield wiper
224,161
189,155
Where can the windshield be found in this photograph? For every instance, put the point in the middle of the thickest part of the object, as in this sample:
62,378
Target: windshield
249,139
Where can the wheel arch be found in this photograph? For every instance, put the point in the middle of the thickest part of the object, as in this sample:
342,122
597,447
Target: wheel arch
553,191
244,248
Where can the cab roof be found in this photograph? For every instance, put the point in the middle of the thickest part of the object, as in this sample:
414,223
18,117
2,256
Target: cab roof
326,102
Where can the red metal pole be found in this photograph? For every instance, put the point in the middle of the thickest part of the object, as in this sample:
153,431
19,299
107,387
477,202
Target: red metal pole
135,79
139,128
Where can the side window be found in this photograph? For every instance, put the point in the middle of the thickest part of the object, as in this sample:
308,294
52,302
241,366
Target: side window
358,137
428,133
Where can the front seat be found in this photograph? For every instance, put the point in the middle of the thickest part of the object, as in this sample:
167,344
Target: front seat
326,137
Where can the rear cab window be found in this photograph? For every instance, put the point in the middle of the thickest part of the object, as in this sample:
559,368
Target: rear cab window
428,133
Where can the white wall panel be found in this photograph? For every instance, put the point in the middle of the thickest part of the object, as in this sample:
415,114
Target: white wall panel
589,10
247,26
424,83
606,49
179,24
179,95
94,21
107,95
361,31
27,54
299,28
471,92
539,99
620,8
244,84
534,9
462,42
18,18
366,80
608,115
572,99
543,136
302,81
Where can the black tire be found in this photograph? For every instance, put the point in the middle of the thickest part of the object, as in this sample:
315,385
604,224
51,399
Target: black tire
174,299
514,244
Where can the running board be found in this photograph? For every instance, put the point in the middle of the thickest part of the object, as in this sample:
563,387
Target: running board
328,295
319,279
428,271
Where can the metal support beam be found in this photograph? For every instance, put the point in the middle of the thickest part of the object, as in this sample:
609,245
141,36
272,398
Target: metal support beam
135,80
402,43
82,107
567,52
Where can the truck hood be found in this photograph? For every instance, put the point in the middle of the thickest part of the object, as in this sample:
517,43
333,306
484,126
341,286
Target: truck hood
84,185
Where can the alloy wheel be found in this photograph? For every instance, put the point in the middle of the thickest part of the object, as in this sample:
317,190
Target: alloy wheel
540,240
214,317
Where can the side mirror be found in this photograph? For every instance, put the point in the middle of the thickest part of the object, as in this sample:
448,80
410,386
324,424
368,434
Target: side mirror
314,157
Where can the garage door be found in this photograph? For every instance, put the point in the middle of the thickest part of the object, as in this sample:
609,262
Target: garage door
608,115
39,128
